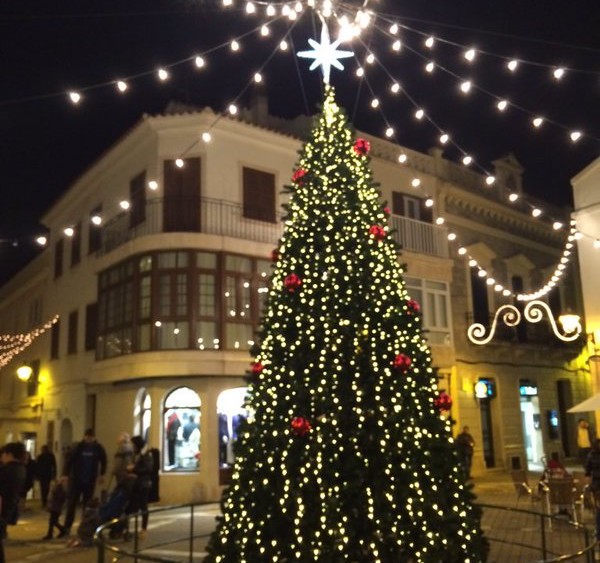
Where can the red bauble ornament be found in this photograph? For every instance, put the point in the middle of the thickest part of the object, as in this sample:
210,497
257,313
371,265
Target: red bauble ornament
299,175
443,401
300,426
402,362
387,210
275,255
362,147
292,282
413,307
377,232
257,368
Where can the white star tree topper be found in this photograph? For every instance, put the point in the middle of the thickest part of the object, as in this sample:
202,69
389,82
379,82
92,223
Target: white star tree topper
325,54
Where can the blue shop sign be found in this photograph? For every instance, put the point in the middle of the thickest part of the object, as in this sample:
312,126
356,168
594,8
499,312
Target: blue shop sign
528,390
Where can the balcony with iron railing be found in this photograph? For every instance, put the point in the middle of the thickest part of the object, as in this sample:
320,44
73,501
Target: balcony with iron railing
224,218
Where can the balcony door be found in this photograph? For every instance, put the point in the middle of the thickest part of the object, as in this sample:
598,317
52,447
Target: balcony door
181,206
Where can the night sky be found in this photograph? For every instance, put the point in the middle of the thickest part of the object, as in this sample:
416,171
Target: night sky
50,47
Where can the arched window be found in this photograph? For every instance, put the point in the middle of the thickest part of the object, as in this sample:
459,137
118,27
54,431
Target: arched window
142,414
181,430
231,412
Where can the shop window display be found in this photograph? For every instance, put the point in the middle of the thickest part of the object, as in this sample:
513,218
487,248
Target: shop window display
181,431
231,412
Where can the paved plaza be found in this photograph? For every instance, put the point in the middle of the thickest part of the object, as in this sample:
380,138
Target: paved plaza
168,531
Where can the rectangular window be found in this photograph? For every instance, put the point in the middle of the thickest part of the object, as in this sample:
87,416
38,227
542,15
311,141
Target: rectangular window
434,299
259,195
76,245
137,199
55,340
411,207
72,337
95,230
91,326
59,250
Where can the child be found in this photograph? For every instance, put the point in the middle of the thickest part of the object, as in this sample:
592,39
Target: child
58,496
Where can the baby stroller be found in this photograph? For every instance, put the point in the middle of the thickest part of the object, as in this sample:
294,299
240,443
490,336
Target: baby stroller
95,514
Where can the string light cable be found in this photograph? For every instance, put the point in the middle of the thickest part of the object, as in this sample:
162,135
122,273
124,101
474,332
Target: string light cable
13,344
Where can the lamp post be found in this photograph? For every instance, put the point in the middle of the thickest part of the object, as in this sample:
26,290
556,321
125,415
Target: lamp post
24,372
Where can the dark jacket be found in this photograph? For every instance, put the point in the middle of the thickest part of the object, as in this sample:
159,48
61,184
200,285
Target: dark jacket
142,468
592,469
46,466
12,483
57,499
86,461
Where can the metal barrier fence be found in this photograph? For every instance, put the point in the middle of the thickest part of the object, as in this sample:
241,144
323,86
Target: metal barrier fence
515,535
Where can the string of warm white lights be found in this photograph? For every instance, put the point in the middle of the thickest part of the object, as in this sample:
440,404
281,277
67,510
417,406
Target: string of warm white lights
360,21
13,344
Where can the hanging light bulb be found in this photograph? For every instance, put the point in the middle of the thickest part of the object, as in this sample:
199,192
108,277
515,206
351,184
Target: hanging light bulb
429,42
271,10
153,185
402,158
69,231
162,74
96,220
429,202
430,67
360,72
233,109
370,58
513,197
283,45
444,138
557,225
575,136
597,243
512,65
467,160
489,180
41,240
227,3
121,86
397,45
462,250
389,132
415,182
470,55
258,77
250,8
125,205
537,122
440,221
394,29
419,114
558,73
395,88
466,86
235,46
75,97
536,212
199,62
206,137
264,30
502,105
179,162
451,236
374,103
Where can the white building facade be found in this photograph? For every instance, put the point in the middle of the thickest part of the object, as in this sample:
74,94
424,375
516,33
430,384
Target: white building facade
159,303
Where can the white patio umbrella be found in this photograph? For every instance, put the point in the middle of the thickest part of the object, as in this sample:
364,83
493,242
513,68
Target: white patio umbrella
591,404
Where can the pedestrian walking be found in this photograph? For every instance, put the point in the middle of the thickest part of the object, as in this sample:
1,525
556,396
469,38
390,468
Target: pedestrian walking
30,472
58,497
141,468
12,481
85,468
585,439
45,465
465,445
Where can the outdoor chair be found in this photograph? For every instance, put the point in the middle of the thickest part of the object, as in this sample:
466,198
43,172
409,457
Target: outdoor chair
563,495
583,495
523,489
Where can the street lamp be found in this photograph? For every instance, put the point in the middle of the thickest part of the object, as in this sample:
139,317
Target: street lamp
24,372
570,322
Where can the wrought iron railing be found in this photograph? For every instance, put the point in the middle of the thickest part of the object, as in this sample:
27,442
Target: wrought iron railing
513,534
224,218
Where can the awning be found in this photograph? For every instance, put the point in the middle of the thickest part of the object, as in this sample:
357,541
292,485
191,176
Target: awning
591,404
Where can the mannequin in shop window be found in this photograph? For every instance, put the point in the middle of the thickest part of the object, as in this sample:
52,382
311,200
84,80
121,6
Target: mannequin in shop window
172,430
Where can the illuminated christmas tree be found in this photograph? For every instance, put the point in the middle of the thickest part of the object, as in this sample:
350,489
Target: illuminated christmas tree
345,456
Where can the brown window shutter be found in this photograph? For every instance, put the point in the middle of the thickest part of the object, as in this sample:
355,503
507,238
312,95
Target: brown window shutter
137,198
426,212
398,203
259,195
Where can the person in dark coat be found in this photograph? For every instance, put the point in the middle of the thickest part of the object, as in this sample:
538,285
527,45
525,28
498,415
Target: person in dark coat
465,444
30,471
592,472
12,482
55,507
141,467
86,466
45,472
